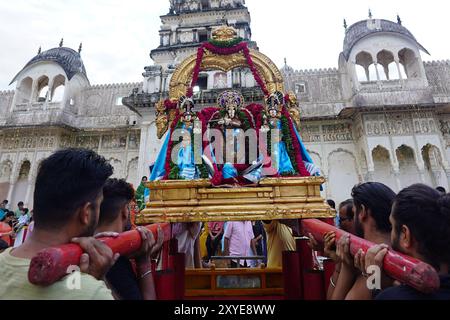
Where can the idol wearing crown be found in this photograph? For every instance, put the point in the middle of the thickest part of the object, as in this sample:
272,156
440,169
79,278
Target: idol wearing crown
223,156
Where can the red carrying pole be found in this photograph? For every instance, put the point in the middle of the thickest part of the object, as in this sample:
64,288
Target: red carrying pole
51,264
410,271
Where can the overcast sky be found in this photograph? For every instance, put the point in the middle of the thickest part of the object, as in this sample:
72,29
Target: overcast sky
118,35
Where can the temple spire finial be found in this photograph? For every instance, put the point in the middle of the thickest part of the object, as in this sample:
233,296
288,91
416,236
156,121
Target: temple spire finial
39,50
370,14
345,24
285,61
61,43
399,20
80,47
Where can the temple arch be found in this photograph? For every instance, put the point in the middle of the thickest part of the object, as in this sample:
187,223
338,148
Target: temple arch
25,90
409,173
342,174
435,174
365,61
132,172
58,89
182,77
42,89
410,63
385,58
22,183
383,171
5,178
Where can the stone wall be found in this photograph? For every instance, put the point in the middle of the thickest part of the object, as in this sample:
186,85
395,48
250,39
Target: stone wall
101,106
19,146
319,91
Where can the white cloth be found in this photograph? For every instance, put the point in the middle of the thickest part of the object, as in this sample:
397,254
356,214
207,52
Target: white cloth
24,219
186,240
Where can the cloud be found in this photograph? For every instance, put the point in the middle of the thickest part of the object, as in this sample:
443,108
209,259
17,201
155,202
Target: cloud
118,35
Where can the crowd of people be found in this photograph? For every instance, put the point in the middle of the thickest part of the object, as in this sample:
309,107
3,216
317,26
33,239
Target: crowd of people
15,226
76,201
415,222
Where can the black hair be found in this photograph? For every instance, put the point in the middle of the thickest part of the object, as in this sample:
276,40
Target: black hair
144,177
331,203
377,198
441,190
67,180
116,193
8,214
426,213
348,204
20,204
5,202
3,245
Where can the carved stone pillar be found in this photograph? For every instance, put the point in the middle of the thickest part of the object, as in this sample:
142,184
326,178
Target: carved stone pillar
376,69
400,76
12,186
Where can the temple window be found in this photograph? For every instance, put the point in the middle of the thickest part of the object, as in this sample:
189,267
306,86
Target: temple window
58,89
205,5
203,36
202,82
410,64
42,89
119,101
368,71
24,90
300,88
387,68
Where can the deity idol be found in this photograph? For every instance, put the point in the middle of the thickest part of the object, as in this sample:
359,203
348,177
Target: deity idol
234,123
177,160
185,160
281,163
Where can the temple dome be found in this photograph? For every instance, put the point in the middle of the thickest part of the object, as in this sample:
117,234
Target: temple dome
69,59
365,28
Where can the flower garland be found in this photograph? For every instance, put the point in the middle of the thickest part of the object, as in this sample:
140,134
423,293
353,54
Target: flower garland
224,51
196,72
169,165
170,105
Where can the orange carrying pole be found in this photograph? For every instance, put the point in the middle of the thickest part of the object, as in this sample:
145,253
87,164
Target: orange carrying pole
407,270
51,264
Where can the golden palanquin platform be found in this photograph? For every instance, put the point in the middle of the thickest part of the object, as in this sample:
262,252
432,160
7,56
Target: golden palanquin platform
198,201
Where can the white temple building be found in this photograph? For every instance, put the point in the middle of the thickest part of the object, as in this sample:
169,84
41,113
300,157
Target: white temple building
381,115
